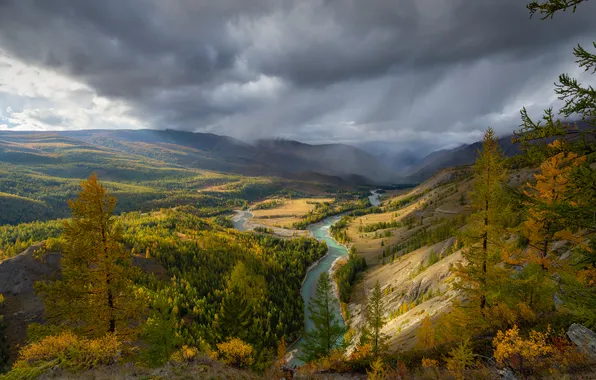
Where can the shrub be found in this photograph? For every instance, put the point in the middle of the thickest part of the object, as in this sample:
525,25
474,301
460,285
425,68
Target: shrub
69,352
430,363
460,358
541,350
377,370
361,356
185,354
236,353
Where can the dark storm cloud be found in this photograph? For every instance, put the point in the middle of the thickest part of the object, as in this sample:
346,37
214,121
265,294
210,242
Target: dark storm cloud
316,70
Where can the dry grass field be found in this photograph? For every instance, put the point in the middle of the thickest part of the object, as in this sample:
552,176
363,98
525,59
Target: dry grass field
286,214
433,205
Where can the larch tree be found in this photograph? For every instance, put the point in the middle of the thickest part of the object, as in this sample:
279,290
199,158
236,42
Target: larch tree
328,331
577,137
159,331
375,321
235,316
96,294
484,230
577,214
547,200
425,337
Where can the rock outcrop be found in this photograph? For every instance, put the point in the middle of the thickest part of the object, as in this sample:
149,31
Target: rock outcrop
584,338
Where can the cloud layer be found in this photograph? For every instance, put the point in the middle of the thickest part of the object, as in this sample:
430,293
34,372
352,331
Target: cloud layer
402,72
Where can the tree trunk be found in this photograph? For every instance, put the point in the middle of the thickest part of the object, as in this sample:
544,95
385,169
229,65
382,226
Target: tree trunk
110,296
484,257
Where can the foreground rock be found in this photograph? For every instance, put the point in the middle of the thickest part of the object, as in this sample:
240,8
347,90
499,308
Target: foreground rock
584,338
18,276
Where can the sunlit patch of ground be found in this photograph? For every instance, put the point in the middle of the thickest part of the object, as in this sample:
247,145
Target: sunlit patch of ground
290,211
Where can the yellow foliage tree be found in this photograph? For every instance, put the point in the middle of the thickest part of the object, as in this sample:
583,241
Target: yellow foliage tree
377,370
545,198
460,359
96,293
425,337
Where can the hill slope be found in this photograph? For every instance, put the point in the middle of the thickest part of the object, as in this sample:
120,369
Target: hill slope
285,158
462,155
412,260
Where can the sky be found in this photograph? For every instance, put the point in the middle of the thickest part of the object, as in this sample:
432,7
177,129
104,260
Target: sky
406,74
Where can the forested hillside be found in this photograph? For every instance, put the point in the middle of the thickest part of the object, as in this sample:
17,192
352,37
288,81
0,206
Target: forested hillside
130,154
220,283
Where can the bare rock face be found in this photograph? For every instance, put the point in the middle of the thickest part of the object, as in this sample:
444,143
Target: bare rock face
584,339
17,279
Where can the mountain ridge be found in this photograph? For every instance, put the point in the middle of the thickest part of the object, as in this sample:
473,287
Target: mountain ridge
269,157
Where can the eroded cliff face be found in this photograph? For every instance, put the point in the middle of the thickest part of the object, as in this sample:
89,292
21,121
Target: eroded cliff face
415,281
408,295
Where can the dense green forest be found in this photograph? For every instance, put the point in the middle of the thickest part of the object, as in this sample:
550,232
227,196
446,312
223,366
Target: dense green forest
201,257
28,194
38,189
219,279
347,274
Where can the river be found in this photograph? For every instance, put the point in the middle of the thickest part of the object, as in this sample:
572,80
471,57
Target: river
319,231
374,198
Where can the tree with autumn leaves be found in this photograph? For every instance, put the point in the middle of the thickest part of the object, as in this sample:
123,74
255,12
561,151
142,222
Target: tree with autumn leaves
547,200
96,293
561,203
517,278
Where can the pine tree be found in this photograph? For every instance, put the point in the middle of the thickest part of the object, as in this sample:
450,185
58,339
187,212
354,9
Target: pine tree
484,228
245,292
159,331
96,294
375,321
328,331
235,316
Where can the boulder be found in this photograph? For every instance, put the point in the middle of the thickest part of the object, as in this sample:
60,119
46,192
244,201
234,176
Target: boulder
584,339
507,374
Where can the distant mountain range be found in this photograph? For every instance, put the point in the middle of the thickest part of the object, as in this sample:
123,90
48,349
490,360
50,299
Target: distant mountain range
284,158
462,155
465,154
326,163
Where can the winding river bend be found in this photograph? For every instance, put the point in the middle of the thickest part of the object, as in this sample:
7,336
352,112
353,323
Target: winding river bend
319,231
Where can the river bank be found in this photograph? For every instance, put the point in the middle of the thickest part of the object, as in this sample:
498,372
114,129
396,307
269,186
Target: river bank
330,262
319,231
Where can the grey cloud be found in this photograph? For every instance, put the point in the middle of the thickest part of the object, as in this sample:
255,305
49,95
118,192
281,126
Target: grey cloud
315,70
